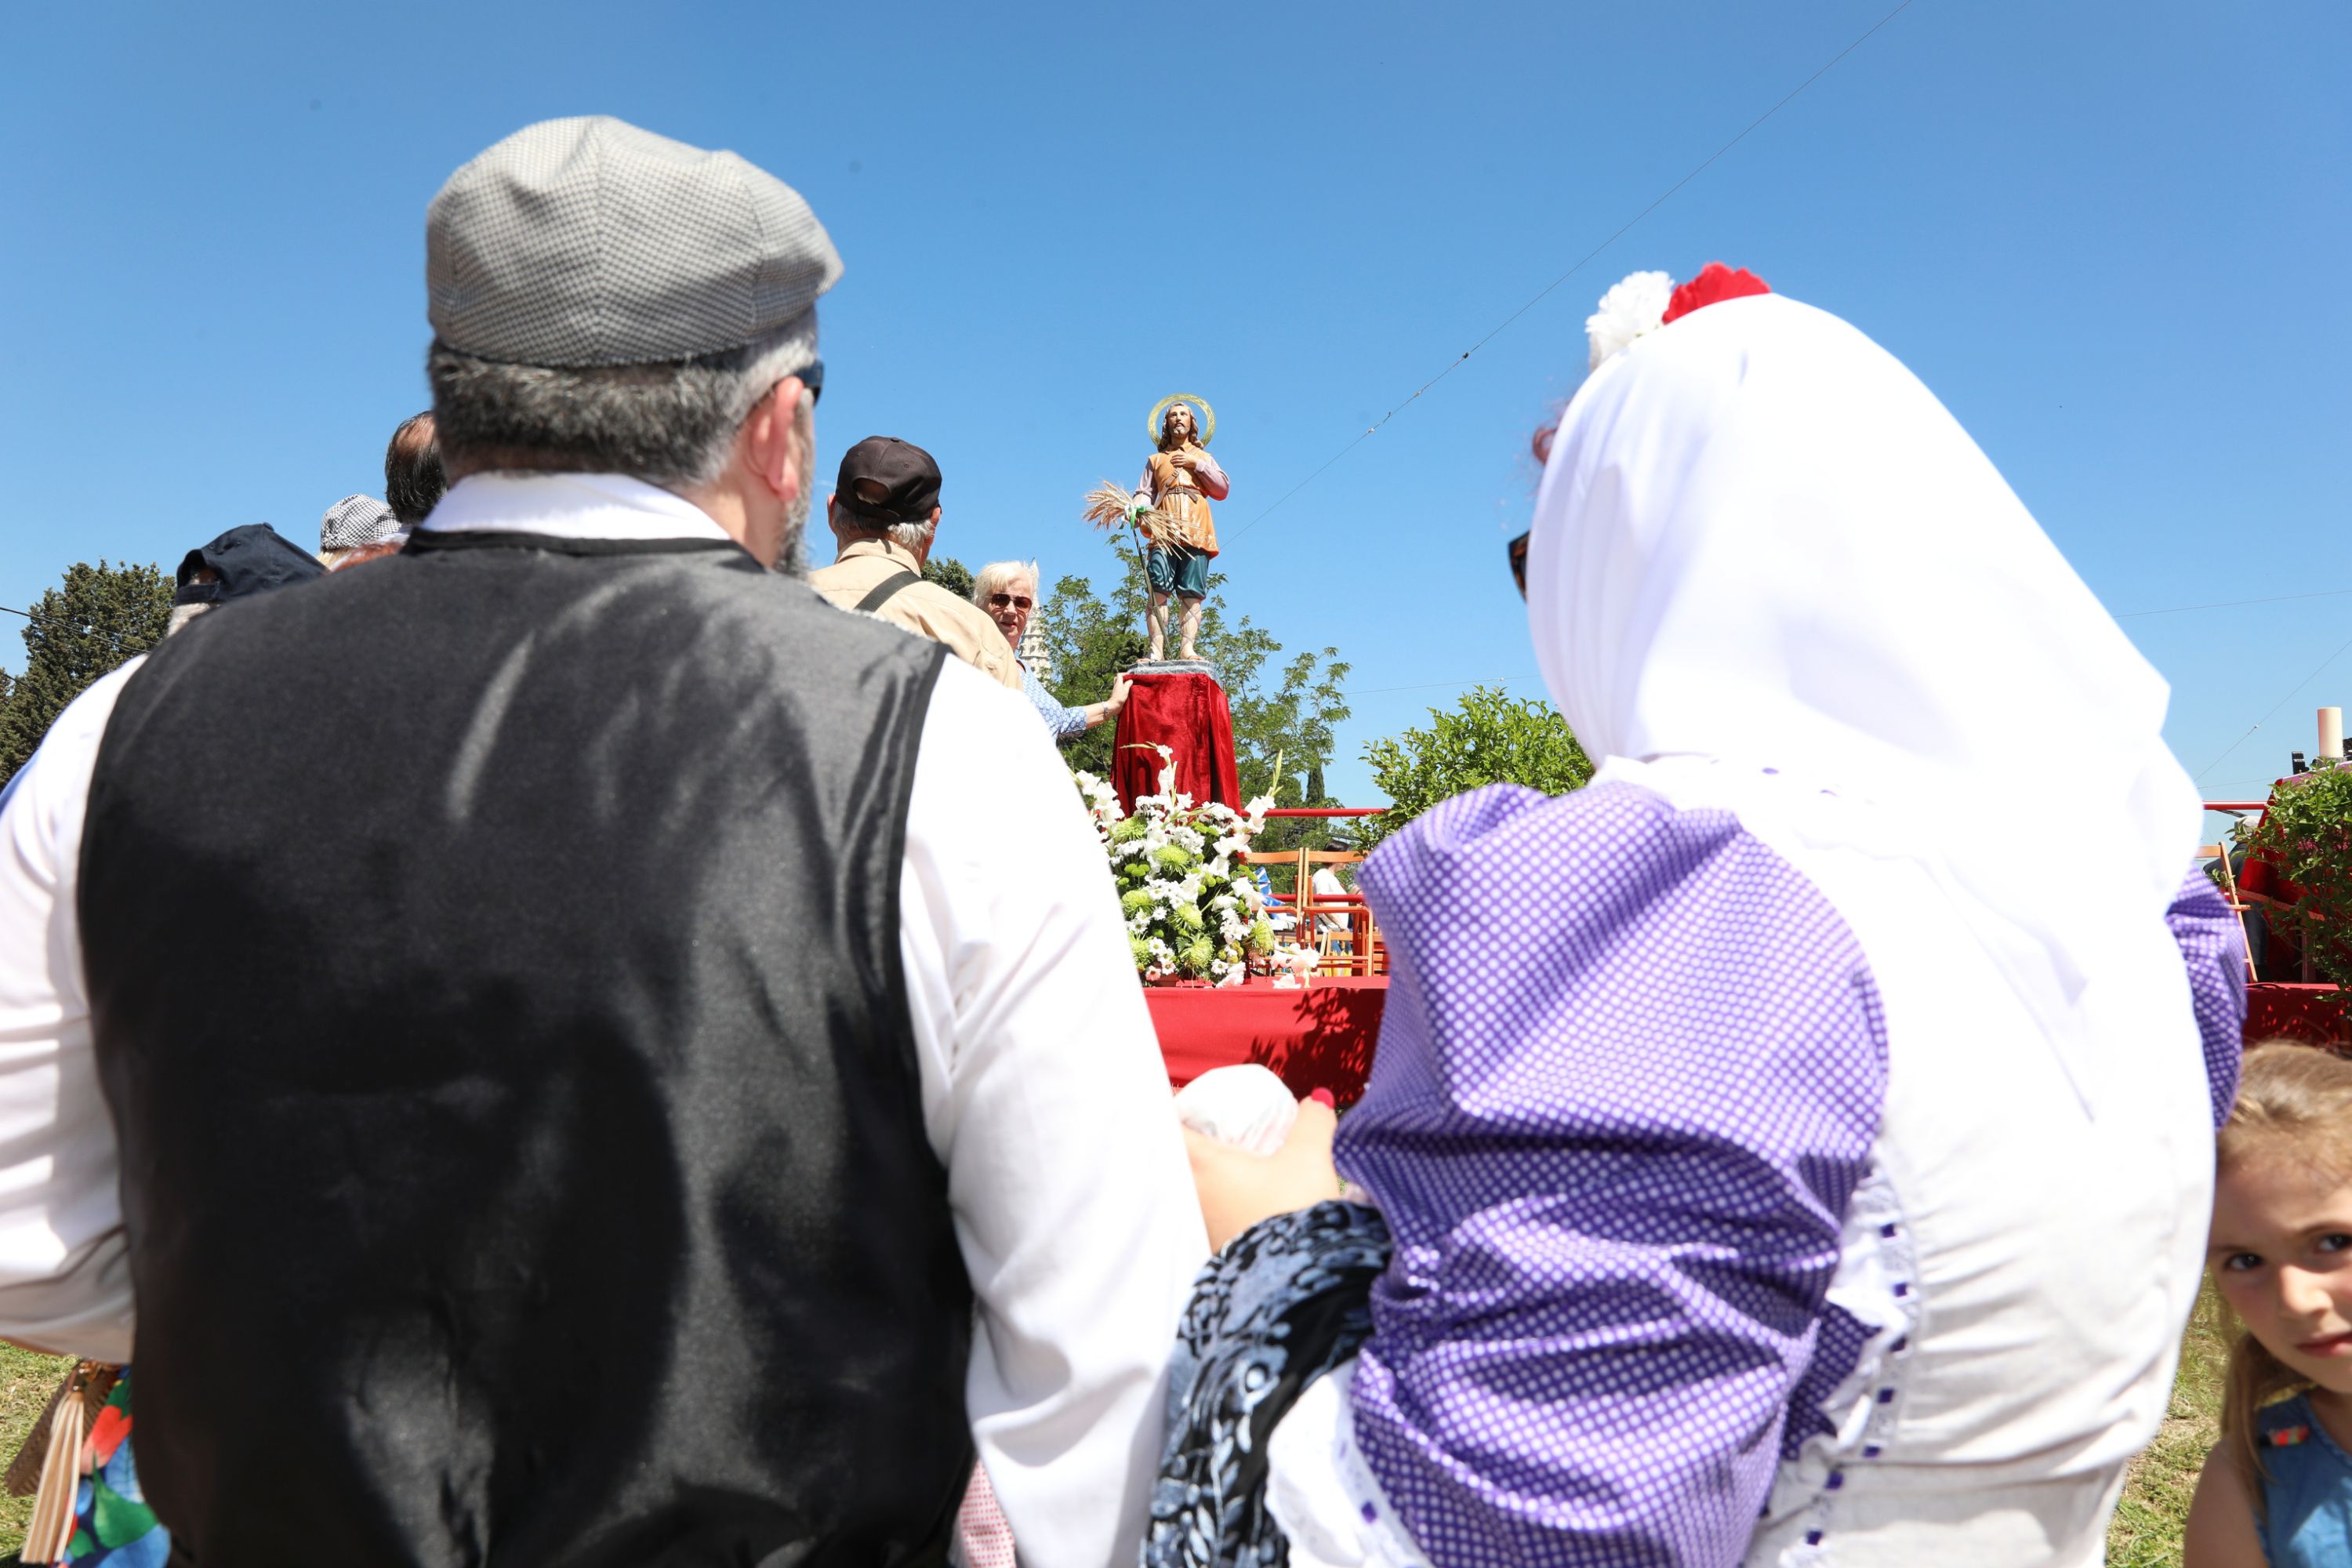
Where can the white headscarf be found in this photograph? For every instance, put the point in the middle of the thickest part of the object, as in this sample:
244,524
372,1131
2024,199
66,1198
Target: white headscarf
1760,539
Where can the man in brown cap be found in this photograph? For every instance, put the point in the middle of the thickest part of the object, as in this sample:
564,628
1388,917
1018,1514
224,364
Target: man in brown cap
885,512
583,1023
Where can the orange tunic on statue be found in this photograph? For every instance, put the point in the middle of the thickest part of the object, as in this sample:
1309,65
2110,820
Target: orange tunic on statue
1183,493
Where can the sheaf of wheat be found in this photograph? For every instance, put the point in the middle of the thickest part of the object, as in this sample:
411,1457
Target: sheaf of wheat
1107,506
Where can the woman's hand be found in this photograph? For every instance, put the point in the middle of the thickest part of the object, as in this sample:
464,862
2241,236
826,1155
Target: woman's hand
1108,709
1238,1189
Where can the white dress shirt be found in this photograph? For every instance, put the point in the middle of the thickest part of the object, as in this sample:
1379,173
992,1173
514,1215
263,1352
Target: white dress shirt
1043,1090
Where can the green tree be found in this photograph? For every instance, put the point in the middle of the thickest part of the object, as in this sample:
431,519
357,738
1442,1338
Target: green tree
1092,639
1293,724
1281,710
1487,738
100,616
950,574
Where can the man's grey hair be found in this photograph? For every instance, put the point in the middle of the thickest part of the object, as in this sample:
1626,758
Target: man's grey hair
671,424
914,538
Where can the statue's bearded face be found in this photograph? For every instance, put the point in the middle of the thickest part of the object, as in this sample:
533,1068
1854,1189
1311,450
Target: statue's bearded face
1177,428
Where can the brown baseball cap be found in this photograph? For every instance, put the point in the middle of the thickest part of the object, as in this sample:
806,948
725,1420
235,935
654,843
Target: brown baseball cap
887,481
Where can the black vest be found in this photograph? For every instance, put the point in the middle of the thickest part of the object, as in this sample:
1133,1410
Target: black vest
493,952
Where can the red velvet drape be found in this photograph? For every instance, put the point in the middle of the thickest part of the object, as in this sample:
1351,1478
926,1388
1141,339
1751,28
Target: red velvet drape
1187,714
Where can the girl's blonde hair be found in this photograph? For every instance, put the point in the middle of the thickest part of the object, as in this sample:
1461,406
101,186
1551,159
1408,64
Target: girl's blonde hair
2298,1097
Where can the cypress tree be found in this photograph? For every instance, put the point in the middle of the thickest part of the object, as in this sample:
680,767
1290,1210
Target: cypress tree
93,621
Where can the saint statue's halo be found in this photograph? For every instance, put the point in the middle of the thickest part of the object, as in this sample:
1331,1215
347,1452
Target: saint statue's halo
1207,419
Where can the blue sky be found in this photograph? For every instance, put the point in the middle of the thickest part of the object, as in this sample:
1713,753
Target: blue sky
2106,234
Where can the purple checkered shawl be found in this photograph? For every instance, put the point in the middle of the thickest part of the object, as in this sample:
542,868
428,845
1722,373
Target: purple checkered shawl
2213,946
1631,1070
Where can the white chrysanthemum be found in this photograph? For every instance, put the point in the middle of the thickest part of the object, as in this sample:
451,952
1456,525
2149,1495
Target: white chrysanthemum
1633,307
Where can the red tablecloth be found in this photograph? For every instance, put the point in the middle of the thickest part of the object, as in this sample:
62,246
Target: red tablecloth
1320,1037
2276,1010
1186,712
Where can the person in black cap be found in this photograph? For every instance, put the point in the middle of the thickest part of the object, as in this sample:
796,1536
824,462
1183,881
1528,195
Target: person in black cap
243,561
884,510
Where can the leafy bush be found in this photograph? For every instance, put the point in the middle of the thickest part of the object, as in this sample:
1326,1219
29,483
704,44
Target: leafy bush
950,574
2307,835
1488,739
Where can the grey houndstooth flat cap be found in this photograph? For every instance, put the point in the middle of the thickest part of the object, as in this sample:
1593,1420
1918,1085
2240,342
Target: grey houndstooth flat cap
355,521
588,242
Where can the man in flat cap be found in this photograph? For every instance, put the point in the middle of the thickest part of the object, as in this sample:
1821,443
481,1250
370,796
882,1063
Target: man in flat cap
585,1020
356,528
885,512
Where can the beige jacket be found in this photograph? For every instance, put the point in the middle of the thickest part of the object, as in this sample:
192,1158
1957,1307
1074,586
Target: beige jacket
925,609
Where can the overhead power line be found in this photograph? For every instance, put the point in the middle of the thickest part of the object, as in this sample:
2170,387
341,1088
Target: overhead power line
1545,291
2275,707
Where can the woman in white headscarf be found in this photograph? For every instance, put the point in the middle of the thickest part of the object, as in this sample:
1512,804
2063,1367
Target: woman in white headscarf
1779,1169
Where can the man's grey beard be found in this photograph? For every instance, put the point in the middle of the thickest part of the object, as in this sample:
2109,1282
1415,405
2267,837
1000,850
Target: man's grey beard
791,560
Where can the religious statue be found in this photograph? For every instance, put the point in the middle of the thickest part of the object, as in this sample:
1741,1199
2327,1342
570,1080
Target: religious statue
1171,508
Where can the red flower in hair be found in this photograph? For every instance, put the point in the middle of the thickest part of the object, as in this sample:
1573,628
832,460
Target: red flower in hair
1715,283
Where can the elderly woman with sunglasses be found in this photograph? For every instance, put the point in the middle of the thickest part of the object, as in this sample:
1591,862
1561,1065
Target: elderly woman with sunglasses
1007,590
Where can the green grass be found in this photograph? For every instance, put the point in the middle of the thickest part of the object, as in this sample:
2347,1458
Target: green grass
2155,1508
2146,1533
26,1380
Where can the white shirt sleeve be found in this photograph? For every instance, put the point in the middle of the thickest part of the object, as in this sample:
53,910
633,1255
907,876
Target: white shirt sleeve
1045,1094
65,1274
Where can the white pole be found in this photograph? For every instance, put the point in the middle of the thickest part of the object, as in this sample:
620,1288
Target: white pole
2331,733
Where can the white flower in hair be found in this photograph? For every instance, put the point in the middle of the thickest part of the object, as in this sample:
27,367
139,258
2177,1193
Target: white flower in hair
1632,308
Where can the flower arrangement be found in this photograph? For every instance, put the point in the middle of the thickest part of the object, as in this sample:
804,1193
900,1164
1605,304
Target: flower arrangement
1193,910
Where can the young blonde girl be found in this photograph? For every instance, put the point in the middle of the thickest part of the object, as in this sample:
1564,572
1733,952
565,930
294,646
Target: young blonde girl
2277,1489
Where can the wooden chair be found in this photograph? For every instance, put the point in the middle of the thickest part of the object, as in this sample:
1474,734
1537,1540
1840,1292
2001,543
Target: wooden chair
1281,903
2239,903
1356,949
